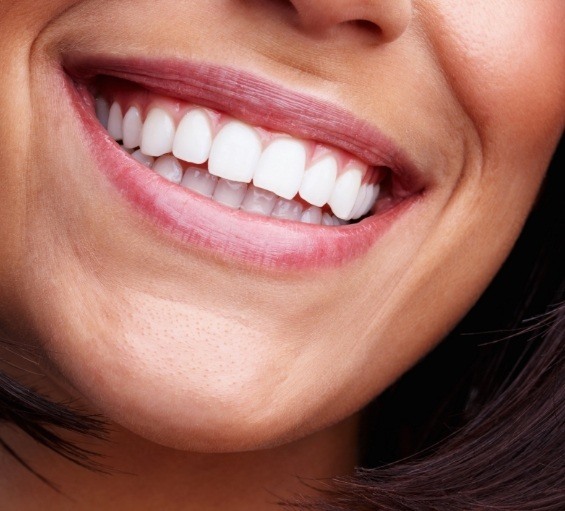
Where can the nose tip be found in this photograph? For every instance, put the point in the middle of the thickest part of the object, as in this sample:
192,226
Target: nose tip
386,19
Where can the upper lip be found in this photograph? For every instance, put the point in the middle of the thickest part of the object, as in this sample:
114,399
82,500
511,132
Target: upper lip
260,102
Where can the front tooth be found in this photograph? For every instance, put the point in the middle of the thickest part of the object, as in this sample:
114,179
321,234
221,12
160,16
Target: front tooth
345,193
199,181
319,181
158,133
235,152
312,215
169,168
132,127
193,140
259,201
281,167
115,120
230,193
102,111
143,158
287,210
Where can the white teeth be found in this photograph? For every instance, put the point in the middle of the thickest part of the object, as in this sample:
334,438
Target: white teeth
312,215
372,196
200,181
327,219
319,181
359,202
115,120
193,140
345,193
235,158
235,152
169,168
131,128
287,210
143,158
102,111
281,167
158,133
230,193
259,201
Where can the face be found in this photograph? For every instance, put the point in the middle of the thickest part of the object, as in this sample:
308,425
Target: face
245,320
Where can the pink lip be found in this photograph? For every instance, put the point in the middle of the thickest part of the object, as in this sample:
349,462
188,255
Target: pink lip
204,224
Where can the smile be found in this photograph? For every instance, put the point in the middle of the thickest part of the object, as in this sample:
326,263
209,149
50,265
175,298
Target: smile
219,157
221,172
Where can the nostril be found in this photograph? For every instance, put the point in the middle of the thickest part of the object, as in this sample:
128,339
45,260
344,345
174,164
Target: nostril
382,20
286,5
365,24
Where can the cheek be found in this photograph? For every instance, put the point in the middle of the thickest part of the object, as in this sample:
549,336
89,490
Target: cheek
24,19
20,24
505,61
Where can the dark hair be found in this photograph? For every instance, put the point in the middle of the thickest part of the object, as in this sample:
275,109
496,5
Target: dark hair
479,424
42,419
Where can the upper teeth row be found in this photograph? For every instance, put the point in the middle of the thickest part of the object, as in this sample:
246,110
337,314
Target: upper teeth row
236,151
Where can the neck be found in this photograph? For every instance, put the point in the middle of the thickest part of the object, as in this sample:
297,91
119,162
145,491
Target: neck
146,476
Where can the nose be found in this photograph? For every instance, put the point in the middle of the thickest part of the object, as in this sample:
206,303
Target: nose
385,19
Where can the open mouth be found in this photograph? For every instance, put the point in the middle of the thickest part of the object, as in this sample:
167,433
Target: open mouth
173,147
237,165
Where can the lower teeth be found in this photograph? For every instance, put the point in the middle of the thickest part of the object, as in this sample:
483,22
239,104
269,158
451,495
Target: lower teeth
235,195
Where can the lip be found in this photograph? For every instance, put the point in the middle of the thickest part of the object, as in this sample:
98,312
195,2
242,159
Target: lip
203,224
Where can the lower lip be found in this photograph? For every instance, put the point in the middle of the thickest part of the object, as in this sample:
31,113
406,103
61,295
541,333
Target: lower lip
231,235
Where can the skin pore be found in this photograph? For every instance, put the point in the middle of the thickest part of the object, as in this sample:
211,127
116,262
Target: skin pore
224,380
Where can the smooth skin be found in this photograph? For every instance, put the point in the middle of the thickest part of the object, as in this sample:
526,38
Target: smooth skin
223,383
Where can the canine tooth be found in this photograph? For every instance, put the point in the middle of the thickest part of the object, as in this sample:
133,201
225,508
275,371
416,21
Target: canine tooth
169,168
345,193
199,181
312,215
158,133
371,199
115,120
235,152
359,202
368,200
281,167
102,111
131,128
193,140
327,219
230,193
259,201
319,181
287,210
143,158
